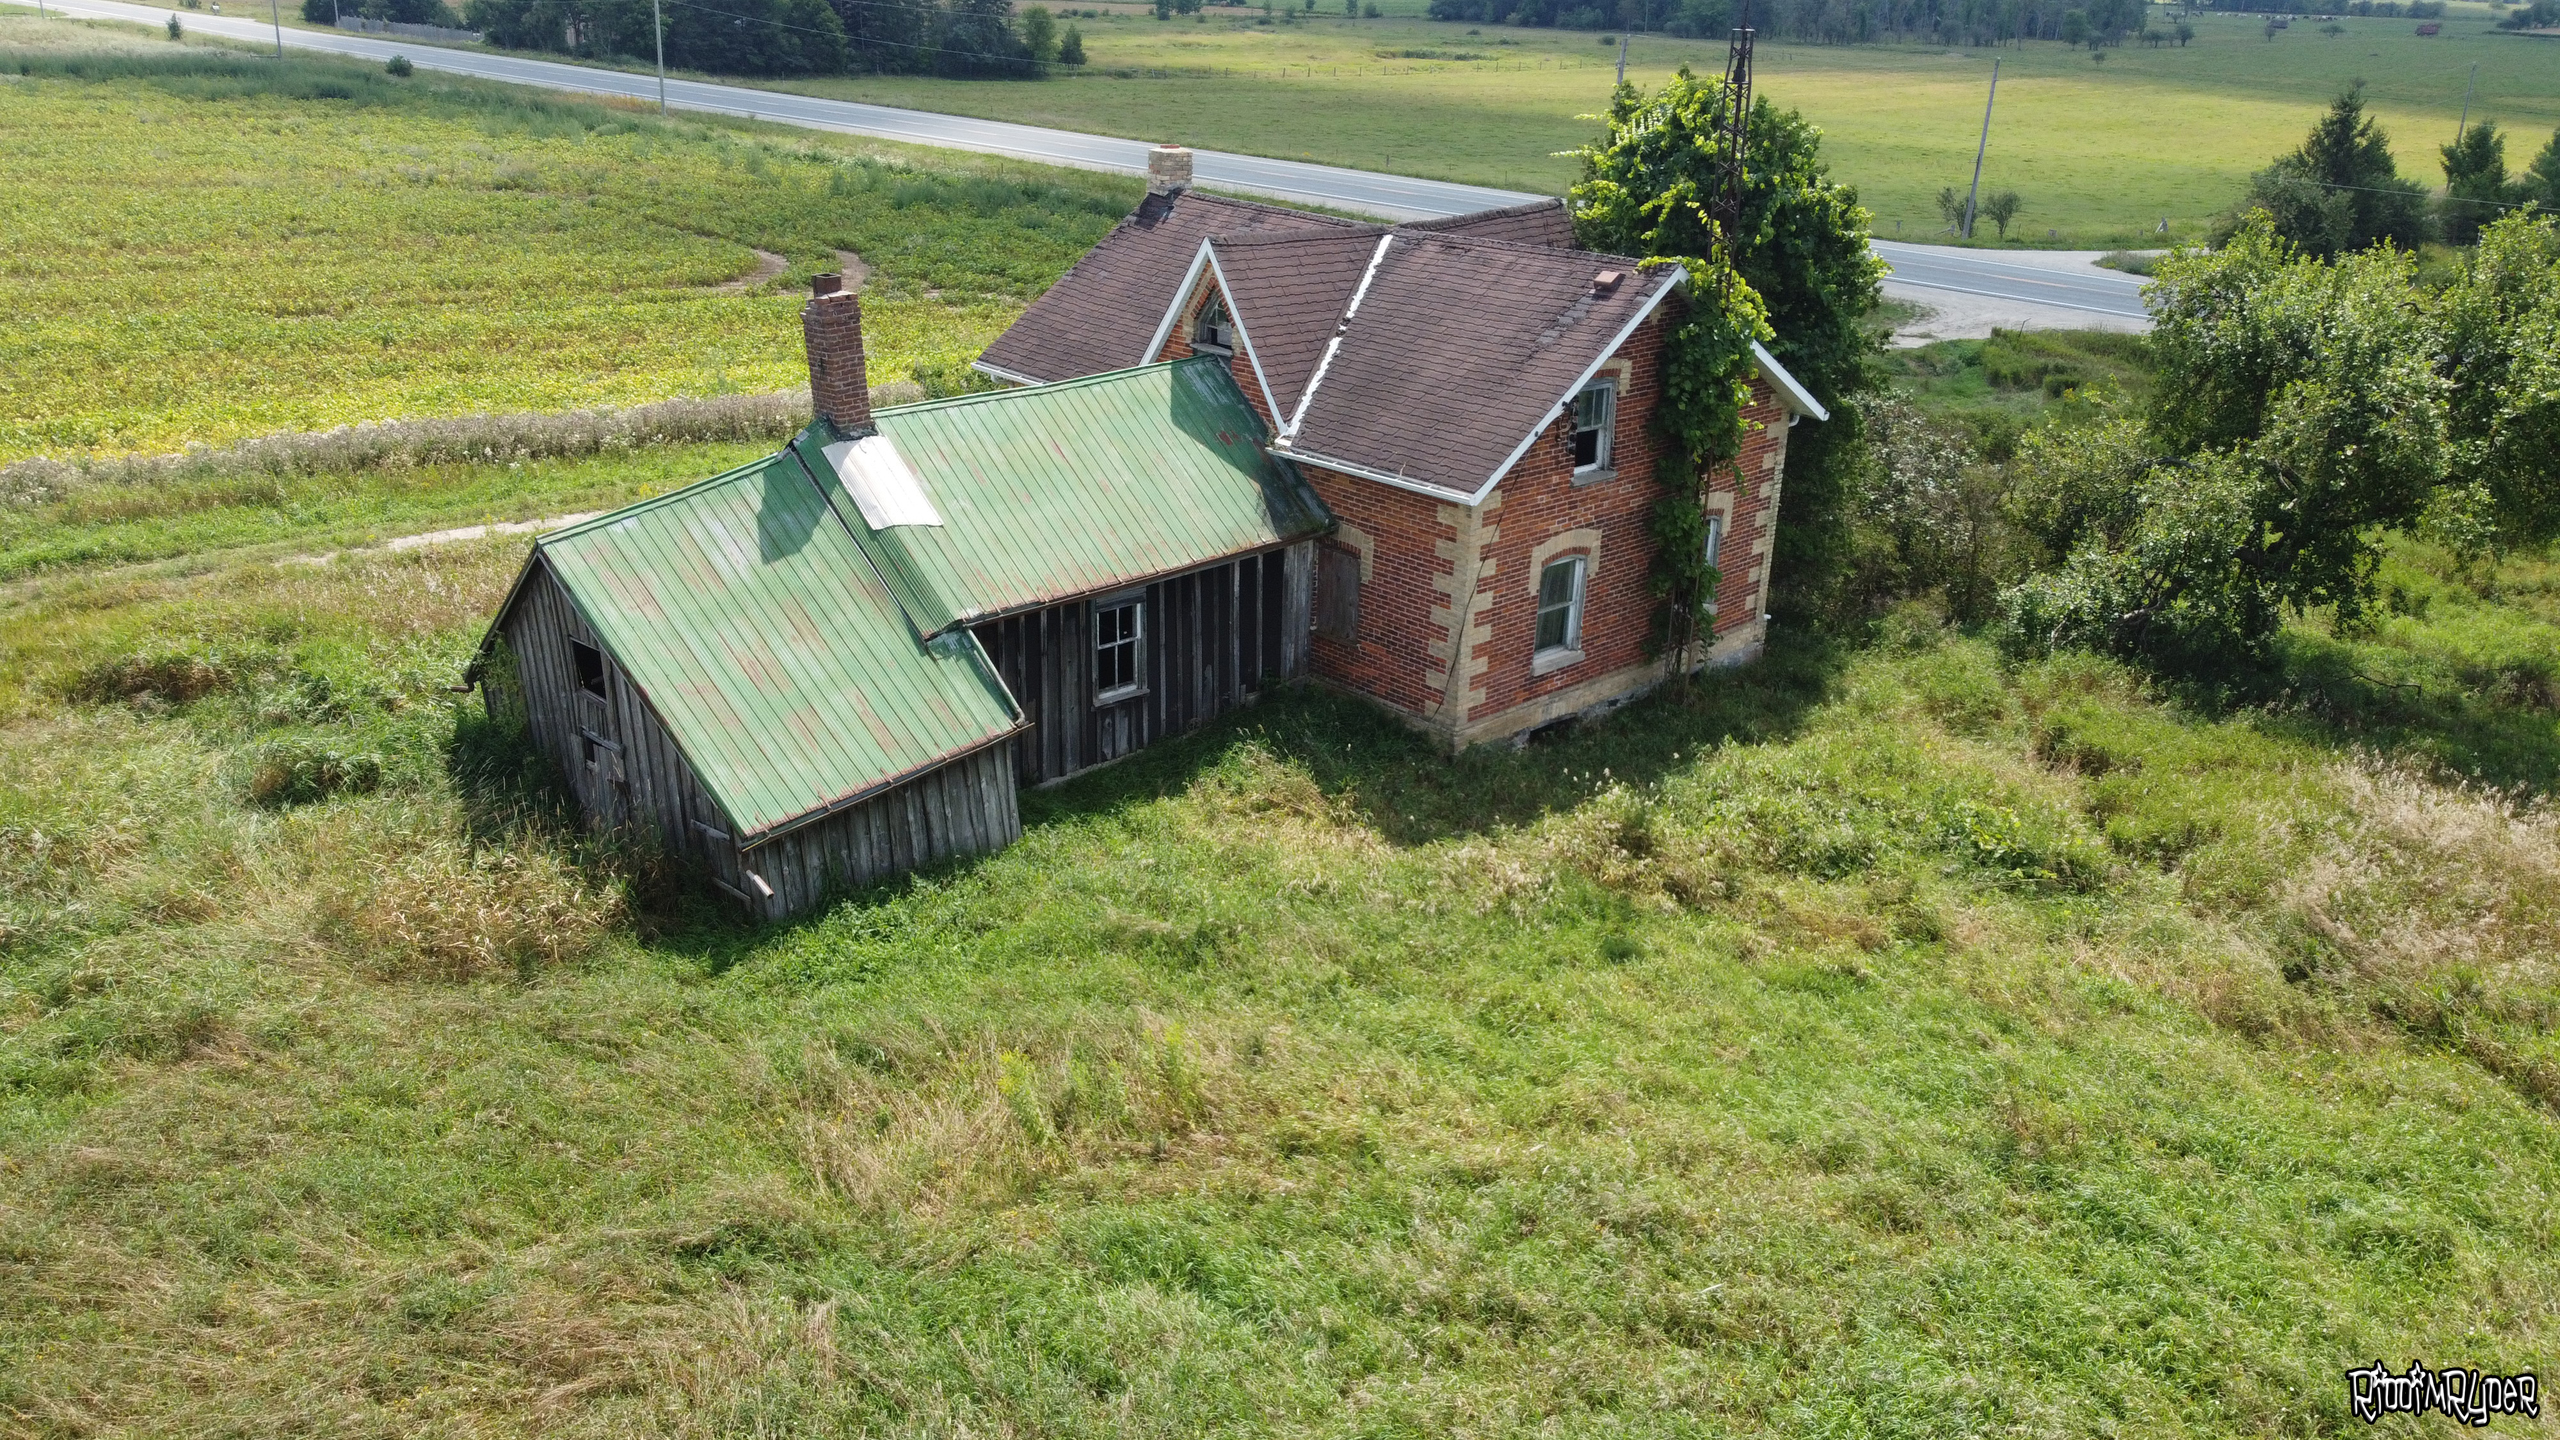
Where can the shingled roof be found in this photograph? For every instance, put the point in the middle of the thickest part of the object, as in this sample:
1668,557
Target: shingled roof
1540,222
1101,313
1459,352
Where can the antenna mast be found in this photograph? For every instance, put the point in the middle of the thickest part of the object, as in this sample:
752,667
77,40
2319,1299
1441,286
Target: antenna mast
1737,128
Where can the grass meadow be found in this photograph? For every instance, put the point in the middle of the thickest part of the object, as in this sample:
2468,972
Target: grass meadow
203,247
2102,151
1875,1042
1884,1040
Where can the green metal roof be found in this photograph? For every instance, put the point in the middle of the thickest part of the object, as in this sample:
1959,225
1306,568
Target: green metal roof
1061,490
742,608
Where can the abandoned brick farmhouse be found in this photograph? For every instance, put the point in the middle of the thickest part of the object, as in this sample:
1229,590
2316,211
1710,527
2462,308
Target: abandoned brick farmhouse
1235,444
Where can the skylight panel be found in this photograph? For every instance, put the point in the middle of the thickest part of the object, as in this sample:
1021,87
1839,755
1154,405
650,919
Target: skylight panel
884,487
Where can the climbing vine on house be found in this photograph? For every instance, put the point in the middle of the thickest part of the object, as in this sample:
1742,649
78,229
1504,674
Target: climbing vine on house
1798,277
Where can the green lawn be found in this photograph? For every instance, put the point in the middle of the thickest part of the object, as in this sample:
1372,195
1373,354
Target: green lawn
203,247
1882,1043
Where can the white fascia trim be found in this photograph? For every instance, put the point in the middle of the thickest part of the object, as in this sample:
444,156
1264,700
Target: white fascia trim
1207,259
1362,472
1790,390
1235,316
998,372
1332,347
1679,277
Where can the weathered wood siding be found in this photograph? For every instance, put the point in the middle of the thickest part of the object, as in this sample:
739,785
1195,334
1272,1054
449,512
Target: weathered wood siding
1214,636
641,779
961,807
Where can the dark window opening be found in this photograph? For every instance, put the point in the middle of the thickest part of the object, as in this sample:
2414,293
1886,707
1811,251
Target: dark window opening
1214,330
1119,648
590,663
1595,413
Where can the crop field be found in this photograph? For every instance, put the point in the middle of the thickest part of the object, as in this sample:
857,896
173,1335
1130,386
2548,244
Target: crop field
201,247
2102,151
1884,1043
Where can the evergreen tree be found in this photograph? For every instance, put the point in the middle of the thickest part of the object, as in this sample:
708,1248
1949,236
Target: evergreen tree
2476,187
2340,192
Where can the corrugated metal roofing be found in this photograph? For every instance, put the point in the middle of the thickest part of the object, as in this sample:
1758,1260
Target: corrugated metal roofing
1063,490
742,608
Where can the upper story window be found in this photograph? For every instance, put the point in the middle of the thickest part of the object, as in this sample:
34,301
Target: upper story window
1595,416
1560,604
1213,330
1119,648
590,664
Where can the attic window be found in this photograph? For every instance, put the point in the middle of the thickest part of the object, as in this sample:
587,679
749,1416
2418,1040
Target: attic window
1213,330
1595,413
589,662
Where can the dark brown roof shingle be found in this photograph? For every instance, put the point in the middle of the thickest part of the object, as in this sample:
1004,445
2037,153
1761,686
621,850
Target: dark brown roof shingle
1461,351
1540,222
1289,291
1101,313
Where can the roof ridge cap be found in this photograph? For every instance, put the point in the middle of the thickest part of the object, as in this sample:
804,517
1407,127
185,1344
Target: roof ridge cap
980,397
730,476
1348,231
1443,237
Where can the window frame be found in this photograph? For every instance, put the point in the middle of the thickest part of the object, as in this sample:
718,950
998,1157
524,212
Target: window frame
1604,447
1571,640
1714,548
1208,333
1135,602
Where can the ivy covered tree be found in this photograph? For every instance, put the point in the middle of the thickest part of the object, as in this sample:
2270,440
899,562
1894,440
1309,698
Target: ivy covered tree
1799,277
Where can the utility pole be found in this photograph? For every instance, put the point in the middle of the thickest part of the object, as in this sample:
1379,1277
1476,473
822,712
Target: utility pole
1975,193
658,27
2466,103
1622,64
275,16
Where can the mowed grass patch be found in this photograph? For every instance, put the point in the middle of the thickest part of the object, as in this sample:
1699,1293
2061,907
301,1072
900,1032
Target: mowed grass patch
1886,1042
2102,152
204,246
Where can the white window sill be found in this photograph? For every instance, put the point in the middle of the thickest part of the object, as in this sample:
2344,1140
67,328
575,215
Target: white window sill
1114,697
1594,475
1204,347
1548,662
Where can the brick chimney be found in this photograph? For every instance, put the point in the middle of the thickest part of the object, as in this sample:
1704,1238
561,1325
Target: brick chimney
1168,170
838,387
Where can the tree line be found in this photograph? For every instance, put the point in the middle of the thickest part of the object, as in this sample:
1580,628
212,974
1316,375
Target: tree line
968,38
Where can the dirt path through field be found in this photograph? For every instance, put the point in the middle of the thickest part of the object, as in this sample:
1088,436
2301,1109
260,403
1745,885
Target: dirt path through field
769,267
454,536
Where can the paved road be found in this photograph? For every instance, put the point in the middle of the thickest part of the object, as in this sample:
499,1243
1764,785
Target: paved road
2027,279
1394,196
1926,267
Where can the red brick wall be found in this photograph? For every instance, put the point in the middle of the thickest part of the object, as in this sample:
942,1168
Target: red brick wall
1392,656
1540,501
1751,511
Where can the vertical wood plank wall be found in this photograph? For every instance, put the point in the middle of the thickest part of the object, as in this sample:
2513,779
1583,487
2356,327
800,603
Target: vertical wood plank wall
963,807
1213,636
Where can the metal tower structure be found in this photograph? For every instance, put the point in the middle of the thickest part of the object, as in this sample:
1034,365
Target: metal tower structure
1737,127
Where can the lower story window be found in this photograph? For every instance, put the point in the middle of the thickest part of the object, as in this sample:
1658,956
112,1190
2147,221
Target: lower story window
1560,604
1119,647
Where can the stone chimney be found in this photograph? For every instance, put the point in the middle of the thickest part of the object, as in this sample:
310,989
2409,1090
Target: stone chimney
838,387
1168,170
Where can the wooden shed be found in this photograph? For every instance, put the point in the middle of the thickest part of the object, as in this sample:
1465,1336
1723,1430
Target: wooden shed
721,668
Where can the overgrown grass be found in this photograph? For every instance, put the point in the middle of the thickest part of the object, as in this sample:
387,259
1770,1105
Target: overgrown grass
2020,377
1878,1042
206,246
